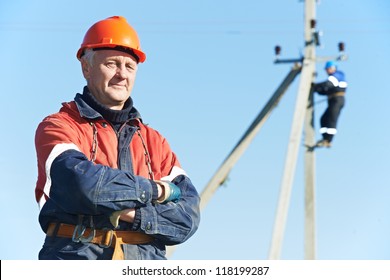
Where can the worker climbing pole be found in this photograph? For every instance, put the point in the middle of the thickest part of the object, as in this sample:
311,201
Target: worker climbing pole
334,89
303,118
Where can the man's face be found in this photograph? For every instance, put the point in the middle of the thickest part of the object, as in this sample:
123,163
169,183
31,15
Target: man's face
111,77
330,70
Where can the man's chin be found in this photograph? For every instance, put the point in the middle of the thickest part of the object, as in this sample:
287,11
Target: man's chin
117,88
120,93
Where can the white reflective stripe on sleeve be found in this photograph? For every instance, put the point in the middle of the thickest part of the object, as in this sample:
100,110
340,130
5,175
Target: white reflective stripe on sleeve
343,84
333,80
41,202
331,131
57,150
328,130
323,129
176,171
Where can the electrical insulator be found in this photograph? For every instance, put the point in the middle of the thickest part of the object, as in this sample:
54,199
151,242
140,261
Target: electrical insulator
313,23
278,49
341,47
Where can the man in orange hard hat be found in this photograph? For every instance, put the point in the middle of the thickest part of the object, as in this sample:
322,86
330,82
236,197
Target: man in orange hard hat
109,187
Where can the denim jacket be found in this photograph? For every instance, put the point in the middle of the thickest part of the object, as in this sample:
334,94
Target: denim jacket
87,170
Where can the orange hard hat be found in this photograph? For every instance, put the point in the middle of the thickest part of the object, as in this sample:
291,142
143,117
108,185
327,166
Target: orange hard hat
112,32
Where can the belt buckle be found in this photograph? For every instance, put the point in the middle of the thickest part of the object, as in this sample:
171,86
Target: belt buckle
111,232
78,233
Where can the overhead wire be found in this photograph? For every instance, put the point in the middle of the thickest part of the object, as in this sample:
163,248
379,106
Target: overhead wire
230,26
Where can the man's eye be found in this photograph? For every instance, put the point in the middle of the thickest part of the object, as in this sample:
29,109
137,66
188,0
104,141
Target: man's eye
111,64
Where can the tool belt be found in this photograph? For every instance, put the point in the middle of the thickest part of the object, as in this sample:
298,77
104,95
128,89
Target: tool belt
339,93
104,238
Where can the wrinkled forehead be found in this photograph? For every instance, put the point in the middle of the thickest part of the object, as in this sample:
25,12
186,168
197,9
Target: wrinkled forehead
104,54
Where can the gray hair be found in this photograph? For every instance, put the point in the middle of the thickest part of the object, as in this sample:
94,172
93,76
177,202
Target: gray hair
88,56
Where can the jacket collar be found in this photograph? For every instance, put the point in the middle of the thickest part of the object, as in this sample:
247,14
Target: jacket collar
88,112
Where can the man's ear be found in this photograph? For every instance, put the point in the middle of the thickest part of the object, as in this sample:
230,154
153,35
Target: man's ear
86,68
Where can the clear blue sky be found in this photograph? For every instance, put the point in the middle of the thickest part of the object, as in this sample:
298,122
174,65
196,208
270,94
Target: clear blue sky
209,71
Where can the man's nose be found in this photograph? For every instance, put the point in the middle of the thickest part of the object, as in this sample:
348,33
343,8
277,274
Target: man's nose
120,71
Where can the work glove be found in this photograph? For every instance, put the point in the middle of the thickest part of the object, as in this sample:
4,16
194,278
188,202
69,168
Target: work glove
114,218
171,192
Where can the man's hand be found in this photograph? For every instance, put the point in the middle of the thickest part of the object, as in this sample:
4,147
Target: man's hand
126,215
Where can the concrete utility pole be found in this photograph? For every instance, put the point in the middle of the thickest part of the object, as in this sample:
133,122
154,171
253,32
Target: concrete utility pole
307,76
310,168
303,119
